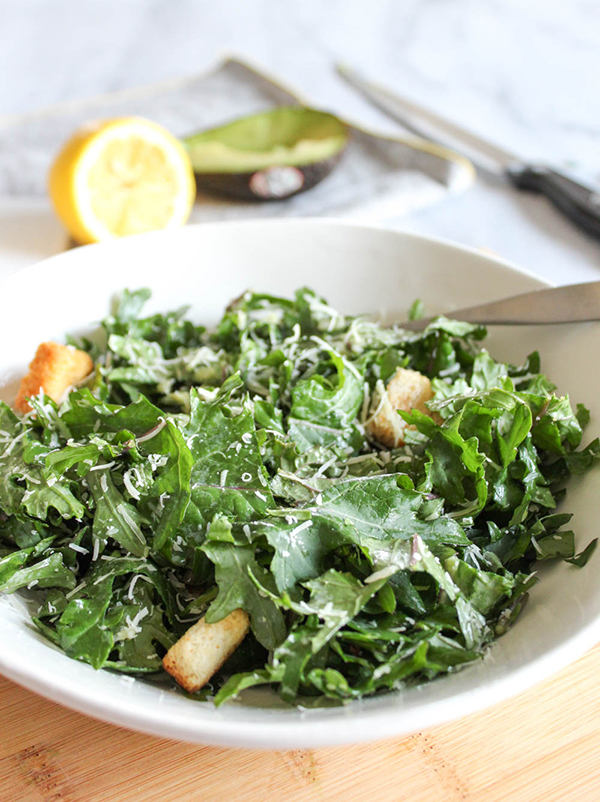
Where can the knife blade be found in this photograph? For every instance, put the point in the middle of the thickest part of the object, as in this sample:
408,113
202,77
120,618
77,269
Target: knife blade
578,201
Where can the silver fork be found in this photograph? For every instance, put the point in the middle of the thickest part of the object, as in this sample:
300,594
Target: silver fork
573,303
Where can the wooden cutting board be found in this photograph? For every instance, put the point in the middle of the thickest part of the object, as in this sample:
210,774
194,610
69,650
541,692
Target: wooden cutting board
542,745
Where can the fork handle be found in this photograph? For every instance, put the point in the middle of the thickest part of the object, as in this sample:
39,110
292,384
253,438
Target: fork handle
579,203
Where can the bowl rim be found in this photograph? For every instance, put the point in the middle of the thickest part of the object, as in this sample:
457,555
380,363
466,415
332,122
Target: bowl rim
295,222
305,733
282,732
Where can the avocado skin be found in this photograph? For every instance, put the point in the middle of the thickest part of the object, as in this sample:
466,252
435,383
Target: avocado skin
238,186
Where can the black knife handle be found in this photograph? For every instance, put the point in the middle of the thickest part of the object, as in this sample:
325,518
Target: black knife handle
578,202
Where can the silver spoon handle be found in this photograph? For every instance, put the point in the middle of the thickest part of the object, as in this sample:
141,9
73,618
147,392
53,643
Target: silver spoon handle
573,303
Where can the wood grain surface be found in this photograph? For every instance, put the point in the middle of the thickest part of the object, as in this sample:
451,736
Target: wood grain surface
541,745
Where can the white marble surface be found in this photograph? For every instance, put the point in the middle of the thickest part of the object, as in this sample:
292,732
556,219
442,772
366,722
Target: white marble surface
524,72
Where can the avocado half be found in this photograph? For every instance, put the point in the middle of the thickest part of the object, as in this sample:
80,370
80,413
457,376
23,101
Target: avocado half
268,156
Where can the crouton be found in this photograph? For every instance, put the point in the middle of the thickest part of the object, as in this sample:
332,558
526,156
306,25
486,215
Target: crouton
54,368
406,390
203,649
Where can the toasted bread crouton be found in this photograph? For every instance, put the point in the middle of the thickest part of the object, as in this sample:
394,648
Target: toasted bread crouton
406,390
54,368
203,649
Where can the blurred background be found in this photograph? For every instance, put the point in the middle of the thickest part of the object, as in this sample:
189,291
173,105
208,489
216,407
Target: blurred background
521,72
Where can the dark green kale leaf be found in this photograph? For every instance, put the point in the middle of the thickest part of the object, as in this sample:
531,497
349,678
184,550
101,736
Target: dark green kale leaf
114,517
383,507
227,476
236,572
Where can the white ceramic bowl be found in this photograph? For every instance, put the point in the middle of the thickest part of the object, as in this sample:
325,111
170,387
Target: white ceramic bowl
359,270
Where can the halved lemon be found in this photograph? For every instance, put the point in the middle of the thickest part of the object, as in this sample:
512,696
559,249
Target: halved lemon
119,177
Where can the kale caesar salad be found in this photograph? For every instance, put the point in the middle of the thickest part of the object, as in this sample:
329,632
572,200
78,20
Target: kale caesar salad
296,498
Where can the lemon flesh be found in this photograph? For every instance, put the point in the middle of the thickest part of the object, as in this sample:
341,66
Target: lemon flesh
121,177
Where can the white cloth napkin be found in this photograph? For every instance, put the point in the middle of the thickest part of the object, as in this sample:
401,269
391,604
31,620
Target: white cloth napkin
377,178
